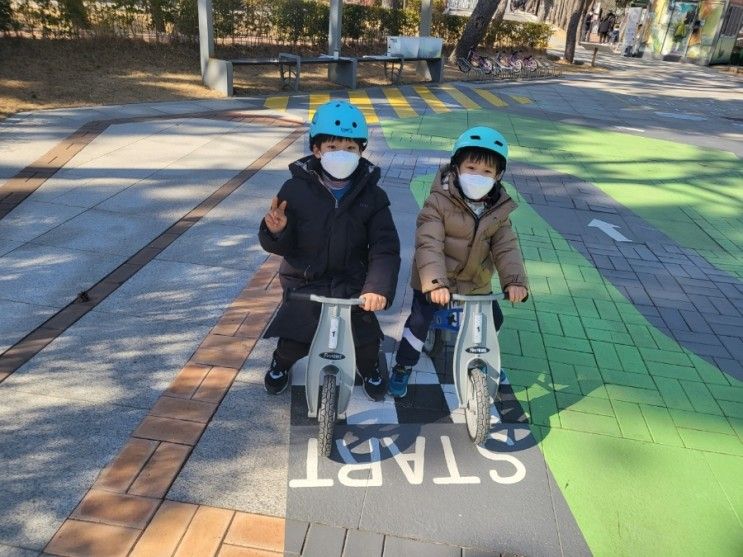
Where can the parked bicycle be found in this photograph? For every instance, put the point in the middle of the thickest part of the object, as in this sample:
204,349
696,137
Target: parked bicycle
475,61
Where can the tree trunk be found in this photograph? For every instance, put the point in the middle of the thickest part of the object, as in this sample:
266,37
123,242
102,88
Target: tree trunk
572,30
475,29
156,15
545,6
392,4
500,11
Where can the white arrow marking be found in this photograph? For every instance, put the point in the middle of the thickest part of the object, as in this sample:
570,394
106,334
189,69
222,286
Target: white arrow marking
609,229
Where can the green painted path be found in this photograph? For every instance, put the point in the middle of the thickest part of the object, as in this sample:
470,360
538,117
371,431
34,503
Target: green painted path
645,439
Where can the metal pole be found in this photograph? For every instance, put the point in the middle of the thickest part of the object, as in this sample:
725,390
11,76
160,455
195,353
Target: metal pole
206,33
335,29
426,18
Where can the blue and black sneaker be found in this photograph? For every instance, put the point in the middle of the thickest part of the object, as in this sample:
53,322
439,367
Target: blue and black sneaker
398,385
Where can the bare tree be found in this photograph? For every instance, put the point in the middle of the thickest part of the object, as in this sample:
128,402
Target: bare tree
476,28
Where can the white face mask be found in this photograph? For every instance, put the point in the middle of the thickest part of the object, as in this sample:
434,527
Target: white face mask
340,164
475,186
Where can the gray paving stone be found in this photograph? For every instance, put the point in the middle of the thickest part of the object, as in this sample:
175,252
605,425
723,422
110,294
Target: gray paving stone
216,245
53,449
470,552
241,460
360,543
709,350
734,345
399,547
324,541
125,360
7,245
673,319
8,551
103,231
31,219
294,535
177,291
17,320
51,276
696,322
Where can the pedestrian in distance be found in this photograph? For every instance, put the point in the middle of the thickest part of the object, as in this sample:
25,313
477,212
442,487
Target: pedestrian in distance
606,25
587,27
331,223
463,235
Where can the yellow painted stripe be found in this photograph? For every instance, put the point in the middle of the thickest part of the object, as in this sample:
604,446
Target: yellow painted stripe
521,100
277,103
362,101
460,97
495,100
399,103
316,99
431,99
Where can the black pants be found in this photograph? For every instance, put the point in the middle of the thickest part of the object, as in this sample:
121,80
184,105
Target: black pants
288,351
418,323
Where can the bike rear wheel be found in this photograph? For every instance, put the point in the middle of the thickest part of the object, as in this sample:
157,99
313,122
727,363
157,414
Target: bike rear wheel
326,415
463,66
487,65
477,409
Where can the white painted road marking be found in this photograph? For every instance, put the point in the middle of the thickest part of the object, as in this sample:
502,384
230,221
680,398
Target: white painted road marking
368,473
609,229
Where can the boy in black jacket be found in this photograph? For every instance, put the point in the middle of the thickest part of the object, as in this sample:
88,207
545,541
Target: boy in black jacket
332,224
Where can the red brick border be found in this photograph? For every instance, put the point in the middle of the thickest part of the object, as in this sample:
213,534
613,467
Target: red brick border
125,508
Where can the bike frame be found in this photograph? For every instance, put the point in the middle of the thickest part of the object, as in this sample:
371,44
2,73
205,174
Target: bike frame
332,352
477,344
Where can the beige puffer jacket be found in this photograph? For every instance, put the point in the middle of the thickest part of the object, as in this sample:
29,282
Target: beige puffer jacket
454,249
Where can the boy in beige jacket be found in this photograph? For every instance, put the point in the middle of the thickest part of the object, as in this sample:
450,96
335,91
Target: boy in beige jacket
463,234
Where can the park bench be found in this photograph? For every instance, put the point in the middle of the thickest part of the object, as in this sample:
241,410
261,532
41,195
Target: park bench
394,65
341,69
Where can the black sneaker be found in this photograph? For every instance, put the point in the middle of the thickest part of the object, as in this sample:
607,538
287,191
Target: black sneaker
374,386
276,380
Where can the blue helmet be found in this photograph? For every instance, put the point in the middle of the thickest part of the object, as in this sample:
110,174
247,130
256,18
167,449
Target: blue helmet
340,119
484,138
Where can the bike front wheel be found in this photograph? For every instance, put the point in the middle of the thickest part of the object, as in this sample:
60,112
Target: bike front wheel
463,66
477,409
487,65
326,415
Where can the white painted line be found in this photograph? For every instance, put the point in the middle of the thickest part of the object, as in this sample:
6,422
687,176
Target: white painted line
627,128
678,116
609,229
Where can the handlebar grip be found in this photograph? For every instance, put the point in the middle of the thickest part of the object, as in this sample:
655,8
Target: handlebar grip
298,296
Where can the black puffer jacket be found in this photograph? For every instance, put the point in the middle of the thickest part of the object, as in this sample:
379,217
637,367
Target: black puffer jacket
341,249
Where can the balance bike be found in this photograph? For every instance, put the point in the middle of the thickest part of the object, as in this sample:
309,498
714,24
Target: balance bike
331,368
476,363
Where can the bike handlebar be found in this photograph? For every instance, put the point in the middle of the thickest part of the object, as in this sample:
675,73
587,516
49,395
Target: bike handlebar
479,297
305,297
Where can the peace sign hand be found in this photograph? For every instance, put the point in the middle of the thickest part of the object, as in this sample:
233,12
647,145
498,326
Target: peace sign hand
276,216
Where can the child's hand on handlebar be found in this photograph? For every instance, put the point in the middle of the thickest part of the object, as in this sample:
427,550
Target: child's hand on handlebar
373,302
440,296
515,293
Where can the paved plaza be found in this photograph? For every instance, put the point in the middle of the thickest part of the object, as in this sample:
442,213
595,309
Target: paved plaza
134,293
